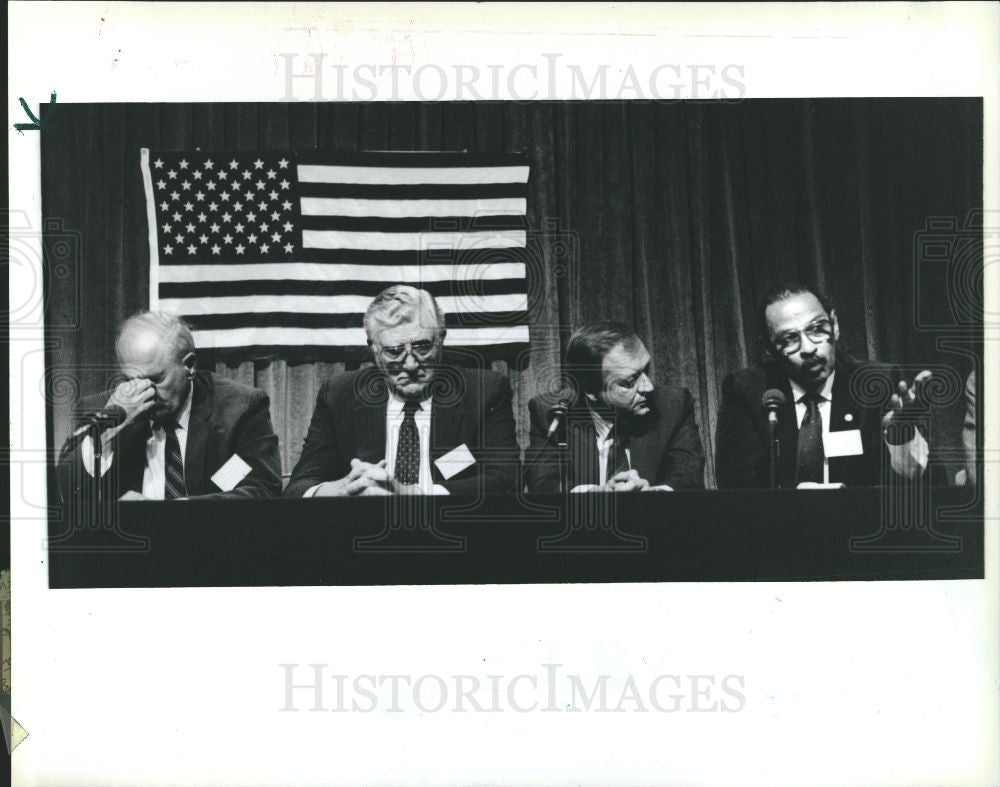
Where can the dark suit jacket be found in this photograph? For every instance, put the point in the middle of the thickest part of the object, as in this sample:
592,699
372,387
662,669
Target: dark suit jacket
227,417
664,445
741,449
470,407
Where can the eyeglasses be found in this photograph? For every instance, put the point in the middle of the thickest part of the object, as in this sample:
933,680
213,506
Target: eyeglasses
790,342
421,351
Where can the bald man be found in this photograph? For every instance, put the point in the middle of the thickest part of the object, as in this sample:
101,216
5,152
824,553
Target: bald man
186,433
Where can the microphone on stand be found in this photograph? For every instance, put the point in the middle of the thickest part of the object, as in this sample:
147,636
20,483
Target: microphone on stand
556,416
100,420
771,402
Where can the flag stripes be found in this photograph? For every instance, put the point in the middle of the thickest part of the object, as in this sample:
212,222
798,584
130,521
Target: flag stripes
280,249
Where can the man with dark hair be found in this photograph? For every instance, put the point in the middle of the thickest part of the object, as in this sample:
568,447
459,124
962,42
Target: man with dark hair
622,433
410,424
185,432
830,428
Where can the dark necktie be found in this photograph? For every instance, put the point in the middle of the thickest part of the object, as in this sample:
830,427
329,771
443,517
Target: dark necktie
810,449
174,485
407,468
617,456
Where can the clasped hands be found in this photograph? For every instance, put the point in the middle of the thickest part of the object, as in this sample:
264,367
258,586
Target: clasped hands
364,480
625,481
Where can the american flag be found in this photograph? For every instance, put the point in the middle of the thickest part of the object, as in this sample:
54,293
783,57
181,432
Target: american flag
267,253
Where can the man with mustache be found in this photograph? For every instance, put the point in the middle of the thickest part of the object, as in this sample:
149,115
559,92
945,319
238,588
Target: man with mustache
622,434
827,429
410,424
181,425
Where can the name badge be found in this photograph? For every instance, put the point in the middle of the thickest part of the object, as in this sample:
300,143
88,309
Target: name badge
845,443
455,461
231,473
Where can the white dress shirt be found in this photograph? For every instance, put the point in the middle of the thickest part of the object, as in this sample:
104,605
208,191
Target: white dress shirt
154,477
908,459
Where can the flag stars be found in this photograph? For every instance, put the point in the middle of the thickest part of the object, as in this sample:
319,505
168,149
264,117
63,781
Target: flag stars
164,205
271,174
260,185
234,164
264,226
214,227
192,249
224,196
227,216
202,217
288,248
265,248
177,217
251,217
275,216
203,239
238,206
273,195
190,227
222,174
167,228
238,227
258,164
284,184
188,206
287,226
216,248
276,237
210,185
179,239
174,195
196,174
171,174
161,184
183,164
240,248
158,163
247,174
168,249
263,207
227,238
252,237
200,196
213,206
286,205
209,164
283,164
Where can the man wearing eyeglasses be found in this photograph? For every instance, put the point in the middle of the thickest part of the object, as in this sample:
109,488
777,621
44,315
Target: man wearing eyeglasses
829,430
410,424
622,433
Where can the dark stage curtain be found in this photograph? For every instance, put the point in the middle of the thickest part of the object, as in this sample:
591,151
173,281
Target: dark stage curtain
675,217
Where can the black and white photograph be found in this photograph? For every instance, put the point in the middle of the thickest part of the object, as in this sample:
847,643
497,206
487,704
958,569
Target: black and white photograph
670,392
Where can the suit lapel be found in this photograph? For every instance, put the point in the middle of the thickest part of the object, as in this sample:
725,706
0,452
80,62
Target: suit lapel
369,418
581,436
448,430
199,430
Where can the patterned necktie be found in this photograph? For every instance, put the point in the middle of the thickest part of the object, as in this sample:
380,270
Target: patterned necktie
174,485
407,468
810,448
617,456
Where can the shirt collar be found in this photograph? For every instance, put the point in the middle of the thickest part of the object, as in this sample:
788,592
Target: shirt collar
826,392
394,406
602,427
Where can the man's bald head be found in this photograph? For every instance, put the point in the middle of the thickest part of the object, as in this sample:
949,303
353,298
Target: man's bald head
151,335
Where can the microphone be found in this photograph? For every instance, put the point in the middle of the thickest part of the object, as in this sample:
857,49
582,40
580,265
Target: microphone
556,415
106,418
772,400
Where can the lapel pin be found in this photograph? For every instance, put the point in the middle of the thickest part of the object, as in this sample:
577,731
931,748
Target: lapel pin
848,417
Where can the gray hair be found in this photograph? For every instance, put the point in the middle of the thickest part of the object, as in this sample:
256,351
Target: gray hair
402,303
171,329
